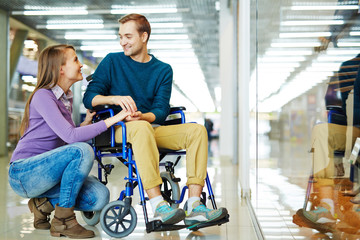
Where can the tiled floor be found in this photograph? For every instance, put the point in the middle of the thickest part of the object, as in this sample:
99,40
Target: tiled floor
16,220
279,187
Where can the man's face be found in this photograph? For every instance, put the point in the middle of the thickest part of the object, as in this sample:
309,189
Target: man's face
130,40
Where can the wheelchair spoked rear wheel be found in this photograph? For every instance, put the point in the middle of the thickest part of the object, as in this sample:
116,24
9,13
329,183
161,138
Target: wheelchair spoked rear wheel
169,189
91,217
115,221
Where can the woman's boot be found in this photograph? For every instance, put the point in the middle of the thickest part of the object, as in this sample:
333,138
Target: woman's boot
64,223
42,209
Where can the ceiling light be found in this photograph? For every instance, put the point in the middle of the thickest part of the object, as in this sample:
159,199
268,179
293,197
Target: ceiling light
175,60
296,44
312,23
333,58
169,46
348,44
276,65
109,47
289,53
167,25
354,33
71,26
30,44
41,10
343,52
177,53
99,54
282,59
304,34
88,36
169,37
143,10
320,8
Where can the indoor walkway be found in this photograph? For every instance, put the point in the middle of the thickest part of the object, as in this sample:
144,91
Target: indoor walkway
16,220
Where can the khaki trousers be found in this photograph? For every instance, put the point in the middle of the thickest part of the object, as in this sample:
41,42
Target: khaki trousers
146,140
325,139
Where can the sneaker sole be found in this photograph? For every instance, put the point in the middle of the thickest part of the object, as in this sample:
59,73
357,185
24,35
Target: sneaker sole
177,217
193,223
300,220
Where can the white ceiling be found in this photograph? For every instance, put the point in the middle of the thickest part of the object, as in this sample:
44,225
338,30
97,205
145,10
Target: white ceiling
184,34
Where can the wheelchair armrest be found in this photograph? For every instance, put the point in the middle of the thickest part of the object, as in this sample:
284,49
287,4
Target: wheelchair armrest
175,109
176,116
101,107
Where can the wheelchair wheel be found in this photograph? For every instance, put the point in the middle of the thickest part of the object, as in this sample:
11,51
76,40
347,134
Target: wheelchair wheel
115,222
91,218
169,189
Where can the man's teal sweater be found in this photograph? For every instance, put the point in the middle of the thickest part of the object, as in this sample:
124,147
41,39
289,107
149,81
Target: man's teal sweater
149,84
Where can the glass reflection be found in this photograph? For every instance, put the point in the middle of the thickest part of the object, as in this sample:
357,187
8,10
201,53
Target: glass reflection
306,118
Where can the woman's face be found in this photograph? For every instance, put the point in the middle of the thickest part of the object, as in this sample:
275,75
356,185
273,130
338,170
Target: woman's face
72,67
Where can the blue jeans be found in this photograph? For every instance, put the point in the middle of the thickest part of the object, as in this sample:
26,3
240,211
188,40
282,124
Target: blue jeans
61,175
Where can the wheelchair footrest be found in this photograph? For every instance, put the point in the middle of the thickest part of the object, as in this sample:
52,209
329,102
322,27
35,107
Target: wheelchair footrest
195,227
157,226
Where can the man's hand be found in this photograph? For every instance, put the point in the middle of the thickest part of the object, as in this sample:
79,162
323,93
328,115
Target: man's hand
125,102
134,117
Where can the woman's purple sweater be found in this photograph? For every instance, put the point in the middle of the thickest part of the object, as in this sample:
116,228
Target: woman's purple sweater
51,126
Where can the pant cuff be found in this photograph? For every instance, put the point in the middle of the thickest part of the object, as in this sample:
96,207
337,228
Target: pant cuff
195,181
152,184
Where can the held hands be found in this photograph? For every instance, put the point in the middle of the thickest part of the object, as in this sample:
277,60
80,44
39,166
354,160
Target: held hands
117,118
88,118
134,117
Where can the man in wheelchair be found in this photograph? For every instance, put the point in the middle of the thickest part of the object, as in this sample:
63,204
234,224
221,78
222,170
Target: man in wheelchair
138,82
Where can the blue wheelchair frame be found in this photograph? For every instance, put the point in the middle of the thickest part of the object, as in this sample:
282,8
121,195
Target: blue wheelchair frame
124,153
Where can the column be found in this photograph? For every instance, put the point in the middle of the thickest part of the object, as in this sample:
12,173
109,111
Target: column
243,93
227,54
4,80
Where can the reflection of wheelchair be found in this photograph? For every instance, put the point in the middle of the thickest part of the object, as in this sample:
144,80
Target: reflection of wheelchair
118,218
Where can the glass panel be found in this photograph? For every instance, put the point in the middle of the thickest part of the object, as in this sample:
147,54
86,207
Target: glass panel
305,120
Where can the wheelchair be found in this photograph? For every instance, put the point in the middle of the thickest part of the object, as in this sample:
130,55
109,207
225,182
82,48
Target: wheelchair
118,218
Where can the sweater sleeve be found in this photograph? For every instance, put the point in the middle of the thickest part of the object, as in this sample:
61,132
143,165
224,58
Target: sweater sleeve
160,107
46,105
100,84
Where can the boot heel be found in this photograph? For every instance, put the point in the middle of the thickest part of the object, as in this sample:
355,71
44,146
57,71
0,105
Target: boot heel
55,234
30,207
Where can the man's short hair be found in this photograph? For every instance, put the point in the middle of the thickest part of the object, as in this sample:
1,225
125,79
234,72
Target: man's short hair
142,23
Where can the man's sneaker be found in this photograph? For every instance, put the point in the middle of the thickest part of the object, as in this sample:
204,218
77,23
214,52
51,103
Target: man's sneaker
320,215
320,219
201,214
168,215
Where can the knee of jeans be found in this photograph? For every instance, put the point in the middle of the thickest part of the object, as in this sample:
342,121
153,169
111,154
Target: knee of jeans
86,152
102,198
17,186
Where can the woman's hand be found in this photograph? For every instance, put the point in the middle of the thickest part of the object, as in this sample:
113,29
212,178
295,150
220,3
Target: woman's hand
88,118
134,117
117,118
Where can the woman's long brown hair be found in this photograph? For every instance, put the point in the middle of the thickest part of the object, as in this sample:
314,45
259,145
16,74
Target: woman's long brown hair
50,61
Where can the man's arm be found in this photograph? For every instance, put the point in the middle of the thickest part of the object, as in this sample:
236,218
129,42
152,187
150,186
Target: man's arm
160,106
125,102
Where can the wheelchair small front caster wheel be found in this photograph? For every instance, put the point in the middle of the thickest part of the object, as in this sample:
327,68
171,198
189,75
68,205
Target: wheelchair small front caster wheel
169,189
117,219
91,217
